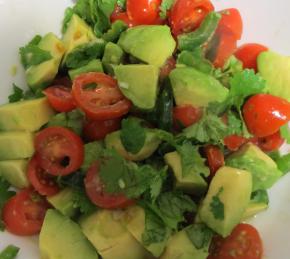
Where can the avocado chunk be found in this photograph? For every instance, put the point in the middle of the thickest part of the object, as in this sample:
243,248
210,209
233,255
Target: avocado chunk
181,247
152,44
93,66
192,183
259,202
15,172
113,55
41,75
111,239
60,237
64,202
142,93
152,142
191,87
274,68
227,199
134,221
16,145
28,115
263,169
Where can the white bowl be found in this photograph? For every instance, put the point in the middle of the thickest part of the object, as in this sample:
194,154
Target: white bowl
266,22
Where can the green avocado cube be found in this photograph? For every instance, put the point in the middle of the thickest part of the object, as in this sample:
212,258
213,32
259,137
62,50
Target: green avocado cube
93,66
113,56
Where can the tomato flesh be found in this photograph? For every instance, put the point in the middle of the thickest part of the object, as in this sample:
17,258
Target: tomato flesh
59,151
231,18
271,143
24,213
186,115
234,142
215,158
167,68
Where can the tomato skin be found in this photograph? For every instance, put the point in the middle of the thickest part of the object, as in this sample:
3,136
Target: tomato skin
96,193
231,18
42,182
234,142
264,114
60,98
122,16
102,103
97,130
23,215
248,54
271,143
186,115
167,68
187,15
243,243
55,145
215,158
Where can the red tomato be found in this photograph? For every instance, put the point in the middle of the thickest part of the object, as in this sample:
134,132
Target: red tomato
59,151
187,15
231,18
122,16
186,115
264,114
167,68
42,182
64,81
97,130
248,54
60,98
243,243
143,11
271,143
215,158
24,213
105,102
234,142
96,193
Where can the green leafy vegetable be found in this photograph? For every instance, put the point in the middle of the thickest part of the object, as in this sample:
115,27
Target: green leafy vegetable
113,34
200,235
283,163
260,196
165,7
93,152
132,135
10,252
285,133
234,123
82,202
17,94
217,207
69,12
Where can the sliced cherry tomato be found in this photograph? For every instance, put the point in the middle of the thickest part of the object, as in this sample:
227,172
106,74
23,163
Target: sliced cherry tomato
234,142
187,15
231,18
42,182
24,213
264,114
167,68
243,243
96,193
105,101
122,16
271,143
248,54
97,130
59,151
186,115
215,158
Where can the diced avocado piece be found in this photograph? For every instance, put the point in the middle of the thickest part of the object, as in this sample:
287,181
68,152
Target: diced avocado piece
64,202
263,169
78,32
15,172
192,183
60,237
191,87
181,247
113,55
227,199
41,75
142,93
259,202
16,145
93,66
134,221
111,239
152,142
28,115
274,68
152,44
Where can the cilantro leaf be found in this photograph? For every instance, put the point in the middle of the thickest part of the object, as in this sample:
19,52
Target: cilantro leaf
260,196
10,252
283,163
235,125
165,7
82,202
200,235
17,94
93,152
68,13
217,207
132,135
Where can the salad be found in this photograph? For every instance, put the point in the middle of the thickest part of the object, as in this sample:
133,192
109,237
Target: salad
146,132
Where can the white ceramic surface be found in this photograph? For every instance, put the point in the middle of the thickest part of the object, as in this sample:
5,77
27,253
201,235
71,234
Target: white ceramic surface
265,21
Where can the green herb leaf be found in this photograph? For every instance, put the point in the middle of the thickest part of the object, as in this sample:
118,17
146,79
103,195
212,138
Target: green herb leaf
283,163
113,34
68,13
260,196
17,94
217,207
165,7
285,133
10,252
83,203
200,235
93,152
235,125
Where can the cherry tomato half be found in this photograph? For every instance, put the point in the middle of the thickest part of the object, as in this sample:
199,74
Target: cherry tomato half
187,15
231,18
248,54
60,98
271,143
103,102
234,142
24,213
122,16
96,193
215,158
243,243
264,114
186,115
42,182
59,151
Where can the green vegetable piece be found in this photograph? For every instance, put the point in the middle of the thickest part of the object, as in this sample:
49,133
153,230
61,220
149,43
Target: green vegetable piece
10,252
200,235
93,152
93,66
113,55
217,207
200,36
283,163
68,13
113,34
259,202
285,133
17,94
165,7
